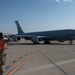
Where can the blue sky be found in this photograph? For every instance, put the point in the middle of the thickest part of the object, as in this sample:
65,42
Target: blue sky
37,15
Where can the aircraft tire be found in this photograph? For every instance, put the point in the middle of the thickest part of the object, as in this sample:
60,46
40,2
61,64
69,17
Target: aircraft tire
47,42
70,42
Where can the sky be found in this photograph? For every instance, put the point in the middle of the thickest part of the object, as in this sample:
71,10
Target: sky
36,15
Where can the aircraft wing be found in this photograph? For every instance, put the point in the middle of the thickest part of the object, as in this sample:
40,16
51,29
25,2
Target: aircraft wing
33,38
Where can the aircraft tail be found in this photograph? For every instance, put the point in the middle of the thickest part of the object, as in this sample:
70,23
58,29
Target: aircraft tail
19,29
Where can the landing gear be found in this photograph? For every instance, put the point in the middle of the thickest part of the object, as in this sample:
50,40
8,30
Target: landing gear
35,43
47,42
70,42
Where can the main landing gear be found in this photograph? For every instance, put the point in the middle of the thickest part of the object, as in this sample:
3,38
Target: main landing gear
70,42
47,42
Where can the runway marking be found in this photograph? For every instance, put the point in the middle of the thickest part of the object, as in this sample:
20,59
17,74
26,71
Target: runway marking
12,63
19,66
33,69
69,50
16,60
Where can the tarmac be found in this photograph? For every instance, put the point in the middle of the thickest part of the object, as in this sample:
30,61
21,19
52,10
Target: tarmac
25,58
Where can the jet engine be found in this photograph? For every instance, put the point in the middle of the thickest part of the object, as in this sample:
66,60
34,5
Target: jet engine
36,40
16,38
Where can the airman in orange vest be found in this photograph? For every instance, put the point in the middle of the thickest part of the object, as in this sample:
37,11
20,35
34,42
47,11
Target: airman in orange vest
3,47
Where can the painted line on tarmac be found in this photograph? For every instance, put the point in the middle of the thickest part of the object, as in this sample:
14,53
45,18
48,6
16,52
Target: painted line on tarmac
13,62
19,66
16,60
69,50
33,69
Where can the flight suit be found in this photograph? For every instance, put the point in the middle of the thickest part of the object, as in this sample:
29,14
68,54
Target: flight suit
3,47
2,56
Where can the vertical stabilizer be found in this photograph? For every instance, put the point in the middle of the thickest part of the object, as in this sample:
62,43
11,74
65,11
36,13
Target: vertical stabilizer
19,29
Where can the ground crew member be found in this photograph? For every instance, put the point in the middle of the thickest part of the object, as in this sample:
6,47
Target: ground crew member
3,47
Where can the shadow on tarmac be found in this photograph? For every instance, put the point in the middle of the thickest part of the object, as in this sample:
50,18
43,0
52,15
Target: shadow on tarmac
39,44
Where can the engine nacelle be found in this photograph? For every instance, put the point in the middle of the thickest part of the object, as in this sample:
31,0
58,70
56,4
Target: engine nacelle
36,40
16,38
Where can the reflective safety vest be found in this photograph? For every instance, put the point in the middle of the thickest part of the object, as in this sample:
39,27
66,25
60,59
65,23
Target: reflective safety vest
1,44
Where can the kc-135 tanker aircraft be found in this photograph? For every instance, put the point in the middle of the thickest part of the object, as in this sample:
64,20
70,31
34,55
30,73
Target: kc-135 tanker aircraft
46,36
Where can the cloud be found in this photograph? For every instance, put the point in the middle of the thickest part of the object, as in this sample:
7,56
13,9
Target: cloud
68,0
62,0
